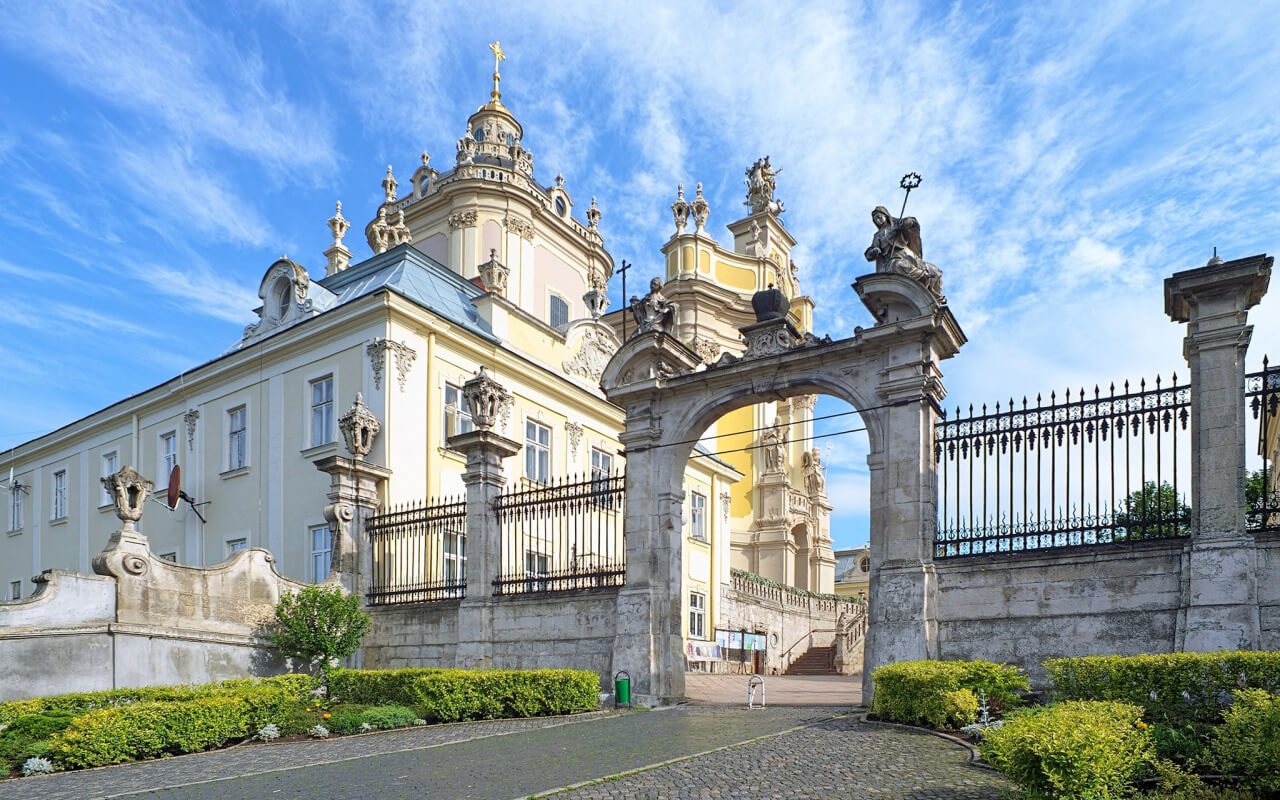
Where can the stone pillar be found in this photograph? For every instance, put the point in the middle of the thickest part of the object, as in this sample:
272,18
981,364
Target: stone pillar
484,479
1221,602
353,499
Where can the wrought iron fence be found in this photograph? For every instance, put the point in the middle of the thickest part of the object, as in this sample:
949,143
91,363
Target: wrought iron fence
419,553
1082,470
562,537
1262,486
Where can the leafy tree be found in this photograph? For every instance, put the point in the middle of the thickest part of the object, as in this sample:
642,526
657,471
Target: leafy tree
1256,499
319,626
1154,512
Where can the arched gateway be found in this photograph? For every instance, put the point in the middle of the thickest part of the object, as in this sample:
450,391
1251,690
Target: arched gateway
889,373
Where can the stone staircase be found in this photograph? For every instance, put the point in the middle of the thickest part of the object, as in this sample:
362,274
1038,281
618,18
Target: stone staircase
814,661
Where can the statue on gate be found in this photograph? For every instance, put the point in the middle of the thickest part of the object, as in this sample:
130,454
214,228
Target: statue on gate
654,312
815,482
896,248
775,448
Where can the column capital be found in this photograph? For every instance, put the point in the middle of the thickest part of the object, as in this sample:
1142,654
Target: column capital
1225,290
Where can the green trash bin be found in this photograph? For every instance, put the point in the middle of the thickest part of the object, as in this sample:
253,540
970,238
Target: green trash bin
622,689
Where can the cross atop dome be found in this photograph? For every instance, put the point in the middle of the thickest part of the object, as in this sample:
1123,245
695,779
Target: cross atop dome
498,57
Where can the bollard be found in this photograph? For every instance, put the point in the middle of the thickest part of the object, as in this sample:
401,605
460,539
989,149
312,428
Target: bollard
622,689
752,683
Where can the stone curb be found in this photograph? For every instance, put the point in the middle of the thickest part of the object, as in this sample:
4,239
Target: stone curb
676,760
975,756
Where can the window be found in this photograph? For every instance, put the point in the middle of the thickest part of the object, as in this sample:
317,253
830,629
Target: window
15,507
236,545
559,314
697,615
537,451
864,563
59,510
171,557
536,566
321,552
455,557
322,411
601,471
457,412
237,435
15,590
168,455
110,464
698,516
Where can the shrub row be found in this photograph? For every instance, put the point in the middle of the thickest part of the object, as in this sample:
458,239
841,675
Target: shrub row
944,694
83,702
453,695
1174,689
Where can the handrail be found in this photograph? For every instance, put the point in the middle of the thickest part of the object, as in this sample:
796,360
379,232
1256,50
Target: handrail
808,635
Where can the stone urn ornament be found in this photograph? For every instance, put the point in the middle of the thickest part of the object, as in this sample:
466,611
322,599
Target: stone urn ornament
770,304
128,491
359,427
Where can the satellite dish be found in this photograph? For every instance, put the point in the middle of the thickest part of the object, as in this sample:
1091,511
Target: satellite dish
175,487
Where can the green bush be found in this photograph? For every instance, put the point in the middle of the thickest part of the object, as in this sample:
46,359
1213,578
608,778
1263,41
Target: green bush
1175,689
452,695
28,736
925,692
1079,749
319,626
1246,747
149,729
346,720
387,717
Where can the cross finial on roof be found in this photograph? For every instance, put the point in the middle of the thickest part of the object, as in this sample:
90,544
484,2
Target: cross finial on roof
498,57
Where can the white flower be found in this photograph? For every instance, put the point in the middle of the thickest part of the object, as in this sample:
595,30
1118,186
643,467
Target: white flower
269,731
36,766
319,732
366,727
319,691
419,722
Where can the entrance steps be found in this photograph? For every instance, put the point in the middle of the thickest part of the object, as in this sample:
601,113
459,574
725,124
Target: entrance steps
814,661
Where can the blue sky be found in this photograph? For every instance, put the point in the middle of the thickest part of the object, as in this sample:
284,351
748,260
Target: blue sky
155,158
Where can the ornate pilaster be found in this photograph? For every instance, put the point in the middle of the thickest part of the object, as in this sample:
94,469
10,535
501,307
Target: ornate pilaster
404,358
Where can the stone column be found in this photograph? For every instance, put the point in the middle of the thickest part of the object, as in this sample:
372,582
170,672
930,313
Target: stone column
485,451
353,499
1221,602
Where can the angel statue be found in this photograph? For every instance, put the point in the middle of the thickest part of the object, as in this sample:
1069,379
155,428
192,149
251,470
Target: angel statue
896,248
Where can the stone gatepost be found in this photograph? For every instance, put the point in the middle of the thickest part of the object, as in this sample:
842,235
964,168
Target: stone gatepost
353,499
1221,601
127,550
485,451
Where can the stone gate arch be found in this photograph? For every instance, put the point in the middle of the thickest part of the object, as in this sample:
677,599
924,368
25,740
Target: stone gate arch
889,373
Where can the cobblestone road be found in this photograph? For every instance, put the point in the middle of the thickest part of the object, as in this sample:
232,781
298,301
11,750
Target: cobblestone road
804,753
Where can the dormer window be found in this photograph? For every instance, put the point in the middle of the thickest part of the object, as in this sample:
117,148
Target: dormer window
562,208
281,297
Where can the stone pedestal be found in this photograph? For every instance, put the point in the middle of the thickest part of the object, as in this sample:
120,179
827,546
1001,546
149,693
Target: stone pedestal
484,479
353,499
1221,602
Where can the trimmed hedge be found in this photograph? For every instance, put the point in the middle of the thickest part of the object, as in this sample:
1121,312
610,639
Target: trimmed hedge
943,694
1079,749
454,695
28,736
1174,689
84,702
149,729
1246,747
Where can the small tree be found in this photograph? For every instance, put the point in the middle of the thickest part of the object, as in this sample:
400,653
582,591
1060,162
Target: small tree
1154,512
319,626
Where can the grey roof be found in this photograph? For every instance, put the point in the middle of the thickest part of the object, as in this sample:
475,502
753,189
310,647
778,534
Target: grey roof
415,276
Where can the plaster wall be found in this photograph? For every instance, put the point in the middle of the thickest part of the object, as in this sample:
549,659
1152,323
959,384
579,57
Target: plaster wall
795,619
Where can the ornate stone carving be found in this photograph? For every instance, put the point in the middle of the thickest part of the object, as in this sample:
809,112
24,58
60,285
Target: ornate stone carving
761,183
489,400
359,427
654,312
400,233
770,338
404,357
128,491
593,215
896,248
521,227
680,210
573,430
338,256
389,185
466,148
707,349
494,274
804,401
815,480
592,356
774,443
726,501
463,219
596,300
700,210
380,233
191,418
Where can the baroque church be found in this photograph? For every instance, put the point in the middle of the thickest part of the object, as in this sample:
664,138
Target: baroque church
478,265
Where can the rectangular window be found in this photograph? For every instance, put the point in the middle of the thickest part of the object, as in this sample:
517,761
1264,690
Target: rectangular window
559,314
15,590
236,545
237,438
110,464
171,557
455,557
601,471
321,552
697,615
537,451
536,568
322,411
698,516
59,510
457,412
15,508
168,455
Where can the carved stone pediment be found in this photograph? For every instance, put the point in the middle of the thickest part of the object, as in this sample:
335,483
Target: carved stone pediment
593,344
652,355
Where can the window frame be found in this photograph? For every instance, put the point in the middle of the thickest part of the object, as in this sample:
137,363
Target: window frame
17,509
114,457
231,438
698,615
325,409
58,510
166,459
698,517
552,298
171,556
454,560
456,415
537,454
317,575
15,590
236,545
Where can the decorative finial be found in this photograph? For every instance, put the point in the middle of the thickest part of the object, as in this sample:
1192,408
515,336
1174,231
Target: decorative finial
359,427
701,210
389,185
426,158
909,181
498,57
559,181
338,225
1215,260
680,210
593,215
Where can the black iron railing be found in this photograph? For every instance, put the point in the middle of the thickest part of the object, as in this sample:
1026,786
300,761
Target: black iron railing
419,553
561,537
1262,486
1083,470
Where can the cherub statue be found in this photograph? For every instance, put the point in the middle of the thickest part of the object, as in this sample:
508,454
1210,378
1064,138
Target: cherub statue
654,312
896,248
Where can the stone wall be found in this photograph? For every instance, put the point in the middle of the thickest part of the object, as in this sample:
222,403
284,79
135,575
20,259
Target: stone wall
794,618
1269,588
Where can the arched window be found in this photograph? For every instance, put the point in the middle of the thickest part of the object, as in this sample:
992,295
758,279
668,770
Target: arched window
562,208
559,313
864,563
